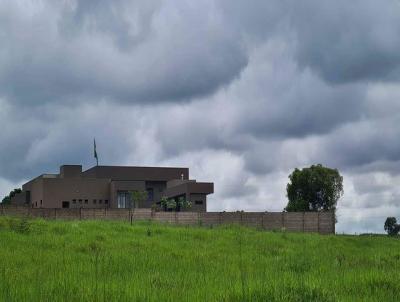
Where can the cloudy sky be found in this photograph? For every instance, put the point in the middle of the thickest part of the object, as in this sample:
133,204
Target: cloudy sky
241,92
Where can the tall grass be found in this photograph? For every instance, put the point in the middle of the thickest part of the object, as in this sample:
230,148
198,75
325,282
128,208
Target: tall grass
115,261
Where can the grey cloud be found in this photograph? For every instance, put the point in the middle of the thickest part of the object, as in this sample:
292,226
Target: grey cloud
342,41
349,41
177,53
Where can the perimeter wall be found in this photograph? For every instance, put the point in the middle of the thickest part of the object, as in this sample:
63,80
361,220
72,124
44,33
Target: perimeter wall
318,222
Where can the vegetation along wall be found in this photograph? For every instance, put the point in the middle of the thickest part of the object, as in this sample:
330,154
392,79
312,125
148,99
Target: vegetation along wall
318,222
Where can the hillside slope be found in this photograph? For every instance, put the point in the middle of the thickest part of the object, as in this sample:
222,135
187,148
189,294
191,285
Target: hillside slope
114,261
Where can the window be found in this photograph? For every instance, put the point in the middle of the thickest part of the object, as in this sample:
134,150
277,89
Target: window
73,200
198,202
106,201
100,201
124,200
86,201
94,201
80,200
150,194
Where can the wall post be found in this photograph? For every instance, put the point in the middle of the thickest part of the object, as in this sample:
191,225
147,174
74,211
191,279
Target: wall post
262,221
333,222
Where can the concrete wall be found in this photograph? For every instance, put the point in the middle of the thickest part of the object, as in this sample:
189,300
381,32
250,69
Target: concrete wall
124,185
323,222
36,188
198,207
86,192
19,199
158,191
137,173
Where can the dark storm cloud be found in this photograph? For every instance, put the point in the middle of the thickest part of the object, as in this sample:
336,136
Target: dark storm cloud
61,52
347,41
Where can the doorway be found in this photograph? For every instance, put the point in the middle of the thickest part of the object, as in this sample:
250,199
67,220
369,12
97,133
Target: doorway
65,204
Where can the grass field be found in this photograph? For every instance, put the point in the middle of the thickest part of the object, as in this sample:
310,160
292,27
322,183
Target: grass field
114,261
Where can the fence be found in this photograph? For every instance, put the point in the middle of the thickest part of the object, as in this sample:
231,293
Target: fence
318,222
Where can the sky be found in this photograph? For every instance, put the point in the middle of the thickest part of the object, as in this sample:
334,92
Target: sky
240,92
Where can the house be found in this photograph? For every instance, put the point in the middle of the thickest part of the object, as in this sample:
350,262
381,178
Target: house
110,187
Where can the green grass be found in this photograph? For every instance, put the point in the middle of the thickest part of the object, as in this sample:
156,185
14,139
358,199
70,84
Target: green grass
114,261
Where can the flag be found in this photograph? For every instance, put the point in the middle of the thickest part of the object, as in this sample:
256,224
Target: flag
95,152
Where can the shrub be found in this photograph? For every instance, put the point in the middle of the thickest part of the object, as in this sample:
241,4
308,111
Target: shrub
21,225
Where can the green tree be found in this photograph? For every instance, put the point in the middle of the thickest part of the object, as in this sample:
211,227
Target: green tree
314,189
137,197
167,204
391,226
170,204
183,203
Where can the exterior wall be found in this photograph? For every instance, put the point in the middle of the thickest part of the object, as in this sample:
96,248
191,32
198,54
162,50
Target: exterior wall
124,185
323,222
137,173
198,207
57,190
158,192
19,199
201,187
177,182
35,187
68,171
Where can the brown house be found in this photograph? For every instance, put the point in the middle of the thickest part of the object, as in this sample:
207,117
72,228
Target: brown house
110,187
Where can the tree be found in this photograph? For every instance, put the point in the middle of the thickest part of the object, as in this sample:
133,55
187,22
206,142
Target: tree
137,197
391,226
173,205
183,203
168,204
314,189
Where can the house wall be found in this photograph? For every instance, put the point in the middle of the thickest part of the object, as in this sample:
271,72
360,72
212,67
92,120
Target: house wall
137,173
158,192
124,185
198,207
57,190
35,187
19,199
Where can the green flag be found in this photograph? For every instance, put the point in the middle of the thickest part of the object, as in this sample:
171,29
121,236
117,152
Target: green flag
95,152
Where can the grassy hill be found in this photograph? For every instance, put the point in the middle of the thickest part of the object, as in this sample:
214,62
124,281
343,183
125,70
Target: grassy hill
114,261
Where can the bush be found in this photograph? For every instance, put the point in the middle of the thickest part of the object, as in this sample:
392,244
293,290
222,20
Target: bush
391,226
20,225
